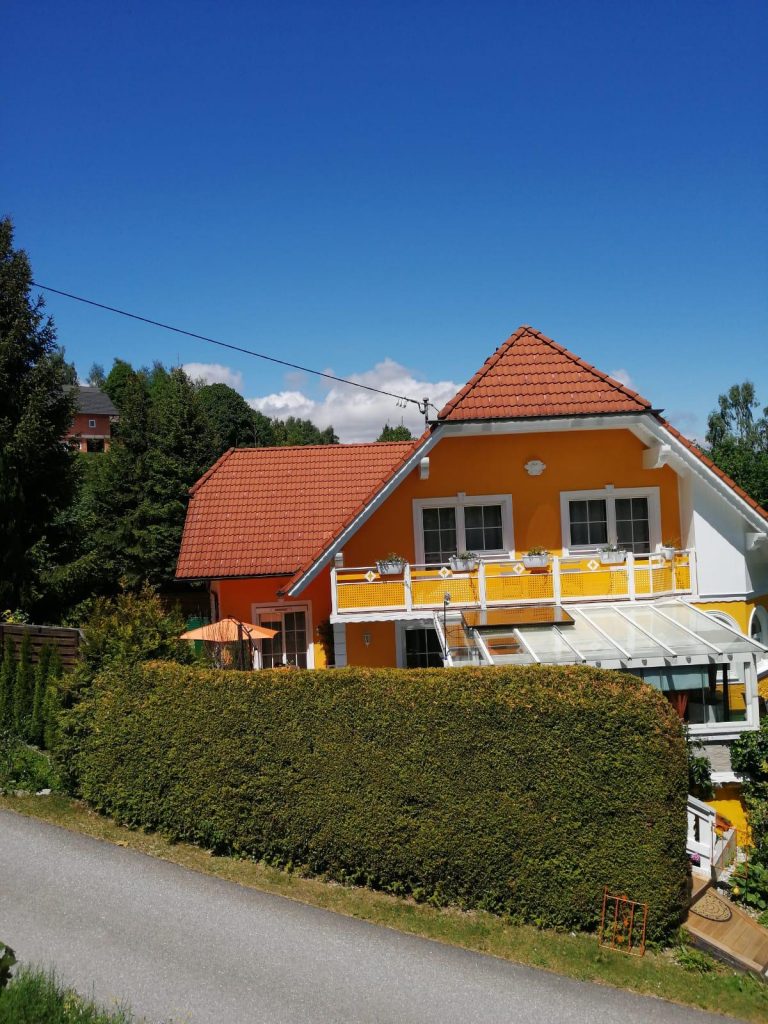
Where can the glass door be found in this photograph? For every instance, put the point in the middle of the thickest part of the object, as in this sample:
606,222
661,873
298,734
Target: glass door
289,644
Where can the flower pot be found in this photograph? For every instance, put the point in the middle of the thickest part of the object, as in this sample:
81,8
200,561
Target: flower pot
462,564
668,553
536,561
613,557
390,568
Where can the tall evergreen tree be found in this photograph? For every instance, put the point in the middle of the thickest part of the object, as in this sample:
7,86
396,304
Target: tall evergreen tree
36,469
52,703
7,684
230,418
41,684
23,691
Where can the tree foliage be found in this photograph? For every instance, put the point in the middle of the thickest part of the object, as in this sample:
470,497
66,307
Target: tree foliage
737,440
398,433
37,476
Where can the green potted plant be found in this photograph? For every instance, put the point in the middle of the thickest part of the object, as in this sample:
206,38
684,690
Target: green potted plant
464,561
536,558
612,554
391,564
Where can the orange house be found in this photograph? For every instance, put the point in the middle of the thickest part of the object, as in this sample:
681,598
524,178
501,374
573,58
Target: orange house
549,514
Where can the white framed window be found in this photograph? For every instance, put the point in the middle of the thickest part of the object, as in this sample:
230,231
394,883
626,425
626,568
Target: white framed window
629,517
292,642
417,645
463,522
91,424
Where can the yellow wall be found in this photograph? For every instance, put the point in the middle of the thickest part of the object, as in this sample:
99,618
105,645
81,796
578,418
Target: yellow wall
729,803
494,464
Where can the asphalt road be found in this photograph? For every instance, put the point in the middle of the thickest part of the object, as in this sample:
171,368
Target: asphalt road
176,944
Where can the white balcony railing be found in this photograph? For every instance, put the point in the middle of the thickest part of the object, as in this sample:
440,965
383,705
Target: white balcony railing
495,582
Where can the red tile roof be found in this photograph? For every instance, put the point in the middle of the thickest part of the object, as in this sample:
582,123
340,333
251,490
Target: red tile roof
270,511
754,505
532,376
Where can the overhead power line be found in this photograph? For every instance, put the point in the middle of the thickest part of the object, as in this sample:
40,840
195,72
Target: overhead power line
423,405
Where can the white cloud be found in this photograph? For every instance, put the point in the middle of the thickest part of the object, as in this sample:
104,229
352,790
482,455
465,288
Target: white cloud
359,415
623,377
214,373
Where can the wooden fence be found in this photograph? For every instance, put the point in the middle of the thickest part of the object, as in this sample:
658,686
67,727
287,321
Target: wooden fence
66,639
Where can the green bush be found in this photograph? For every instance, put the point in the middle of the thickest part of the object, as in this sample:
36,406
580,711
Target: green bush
35,997
23,767
520,790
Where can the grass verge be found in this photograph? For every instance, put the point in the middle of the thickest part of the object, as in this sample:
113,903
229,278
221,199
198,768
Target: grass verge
36,997
696,981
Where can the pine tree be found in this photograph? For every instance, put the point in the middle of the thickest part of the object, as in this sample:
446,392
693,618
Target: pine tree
7,684
23,691
41,683
36,409
52,702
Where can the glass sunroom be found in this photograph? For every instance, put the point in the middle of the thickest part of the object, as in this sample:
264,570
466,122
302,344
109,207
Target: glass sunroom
705,669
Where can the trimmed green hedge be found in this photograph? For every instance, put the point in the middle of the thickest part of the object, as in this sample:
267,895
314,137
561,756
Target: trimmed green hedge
521,790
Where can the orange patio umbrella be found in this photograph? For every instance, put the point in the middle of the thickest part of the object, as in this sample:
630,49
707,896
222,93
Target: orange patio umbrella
227,631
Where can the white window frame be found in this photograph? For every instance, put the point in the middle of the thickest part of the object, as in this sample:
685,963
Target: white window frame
609,495
91,424
459,502
258,610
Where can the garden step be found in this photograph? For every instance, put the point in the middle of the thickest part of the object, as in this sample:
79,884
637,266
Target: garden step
726,931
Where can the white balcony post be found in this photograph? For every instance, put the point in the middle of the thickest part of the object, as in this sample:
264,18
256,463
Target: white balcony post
334,595
692,572
556,579
407,587
481,583
631,575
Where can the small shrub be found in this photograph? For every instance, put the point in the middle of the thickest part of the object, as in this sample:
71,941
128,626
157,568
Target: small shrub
25,768
7,961
749,885
693,960
23,690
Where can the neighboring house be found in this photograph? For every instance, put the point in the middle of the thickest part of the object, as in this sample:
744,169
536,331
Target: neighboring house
539,449
91,428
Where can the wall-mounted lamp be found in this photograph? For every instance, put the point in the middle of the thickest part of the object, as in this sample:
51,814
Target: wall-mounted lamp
424,468
367,639
446,602
535,467
338,560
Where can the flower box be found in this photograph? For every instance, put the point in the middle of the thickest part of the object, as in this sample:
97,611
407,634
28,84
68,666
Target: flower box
668,553
390,567
463,564
536,561
613,557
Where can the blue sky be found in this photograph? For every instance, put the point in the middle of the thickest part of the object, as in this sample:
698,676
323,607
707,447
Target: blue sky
389,189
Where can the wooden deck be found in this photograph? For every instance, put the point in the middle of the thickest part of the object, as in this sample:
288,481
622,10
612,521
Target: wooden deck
723,929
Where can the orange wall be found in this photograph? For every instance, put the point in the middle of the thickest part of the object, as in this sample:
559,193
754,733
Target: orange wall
485,464
380,652
236,598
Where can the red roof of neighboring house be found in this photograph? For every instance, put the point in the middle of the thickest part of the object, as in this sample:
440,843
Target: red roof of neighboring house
269,511
532,376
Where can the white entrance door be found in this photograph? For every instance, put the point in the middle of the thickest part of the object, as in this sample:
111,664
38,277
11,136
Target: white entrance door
289,644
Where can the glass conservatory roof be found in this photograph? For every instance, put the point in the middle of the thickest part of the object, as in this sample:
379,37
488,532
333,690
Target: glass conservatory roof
627,634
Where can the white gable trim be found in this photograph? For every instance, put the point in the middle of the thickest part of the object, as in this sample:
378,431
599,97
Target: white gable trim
655,434
379,498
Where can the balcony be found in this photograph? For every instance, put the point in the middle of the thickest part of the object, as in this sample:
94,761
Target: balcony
364,593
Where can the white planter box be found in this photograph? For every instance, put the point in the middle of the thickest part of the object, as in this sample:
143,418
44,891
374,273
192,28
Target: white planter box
668,553
390,568
535,561
462,564
613,557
